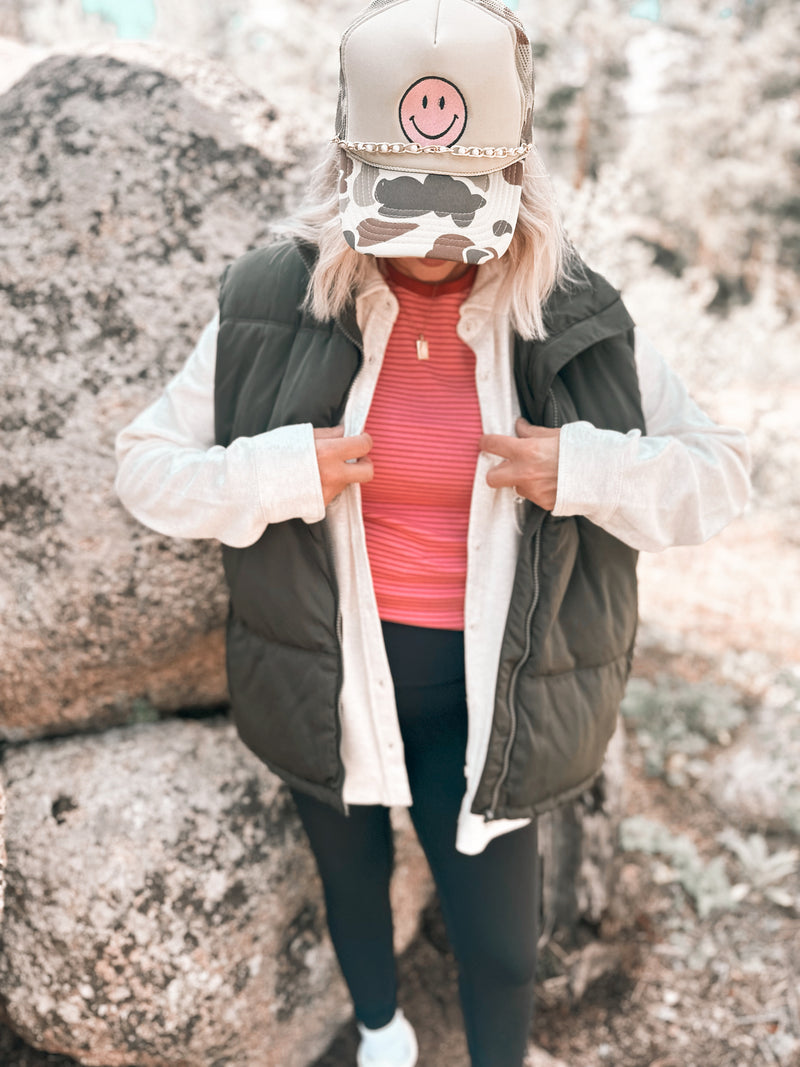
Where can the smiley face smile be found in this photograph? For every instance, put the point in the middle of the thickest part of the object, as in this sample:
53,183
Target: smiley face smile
434,136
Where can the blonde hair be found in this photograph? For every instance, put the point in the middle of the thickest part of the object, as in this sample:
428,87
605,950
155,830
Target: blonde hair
537,258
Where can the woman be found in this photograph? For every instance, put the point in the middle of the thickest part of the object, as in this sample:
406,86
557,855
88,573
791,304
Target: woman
431,442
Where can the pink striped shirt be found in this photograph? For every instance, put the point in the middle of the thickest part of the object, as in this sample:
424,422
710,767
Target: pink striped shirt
425,423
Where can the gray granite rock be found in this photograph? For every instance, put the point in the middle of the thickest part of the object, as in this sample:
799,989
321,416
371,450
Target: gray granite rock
124,195
162,905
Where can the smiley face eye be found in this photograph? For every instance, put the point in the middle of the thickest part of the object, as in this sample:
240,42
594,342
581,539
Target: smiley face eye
441,103
424,101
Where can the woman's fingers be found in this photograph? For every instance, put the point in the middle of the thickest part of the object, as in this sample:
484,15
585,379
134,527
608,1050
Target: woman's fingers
357,446
501,475
529,462
331,440
361,470
527,429
498,444
341,460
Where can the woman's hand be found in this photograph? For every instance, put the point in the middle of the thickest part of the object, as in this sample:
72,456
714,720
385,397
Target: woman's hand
530,462
341,460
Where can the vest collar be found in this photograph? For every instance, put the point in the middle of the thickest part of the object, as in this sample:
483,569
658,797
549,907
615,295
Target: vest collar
580,314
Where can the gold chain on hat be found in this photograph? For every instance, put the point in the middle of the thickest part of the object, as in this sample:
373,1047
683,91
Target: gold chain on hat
385,148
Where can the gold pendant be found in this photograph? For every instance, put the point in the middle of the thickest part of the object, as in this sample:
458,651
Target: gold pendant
422,348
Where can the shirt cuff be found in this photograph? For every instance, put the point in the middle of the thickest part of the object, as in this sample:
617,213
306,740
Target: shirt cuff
287,474
591,464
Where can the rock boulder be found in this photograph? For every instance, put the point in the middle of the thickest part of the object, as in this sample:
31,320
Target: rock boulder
163,909
124,195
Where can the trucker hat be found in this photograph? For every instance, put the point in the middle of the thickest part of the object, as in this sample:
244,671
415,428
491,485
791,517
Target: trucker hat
434,119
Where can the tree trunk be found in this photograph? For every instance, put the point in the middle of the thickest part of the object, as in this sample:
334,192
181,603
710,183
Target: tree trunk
577,843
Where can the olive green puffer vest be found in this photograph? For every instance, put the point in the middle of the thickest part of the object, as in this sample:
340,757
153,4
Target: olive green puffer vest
571,622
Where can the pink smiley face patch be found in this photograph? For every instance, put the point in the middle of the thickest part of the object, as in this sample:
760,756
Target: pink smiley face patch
433,112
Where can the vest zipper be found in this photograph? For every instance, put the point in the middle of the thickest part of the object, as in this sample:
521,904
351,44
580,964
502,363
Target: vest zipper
556,410
353,341
512,685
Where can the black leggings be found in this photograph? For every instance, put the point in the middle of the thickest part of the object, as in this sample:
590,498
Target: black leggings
489,901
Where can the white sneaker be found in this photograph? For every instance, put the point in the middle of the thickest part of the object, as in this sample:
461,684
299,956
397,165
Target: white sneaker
393,1045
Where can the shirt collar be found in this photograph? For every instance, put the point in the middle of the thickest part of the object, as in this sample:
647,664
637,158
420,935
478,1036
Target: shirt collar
482,298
